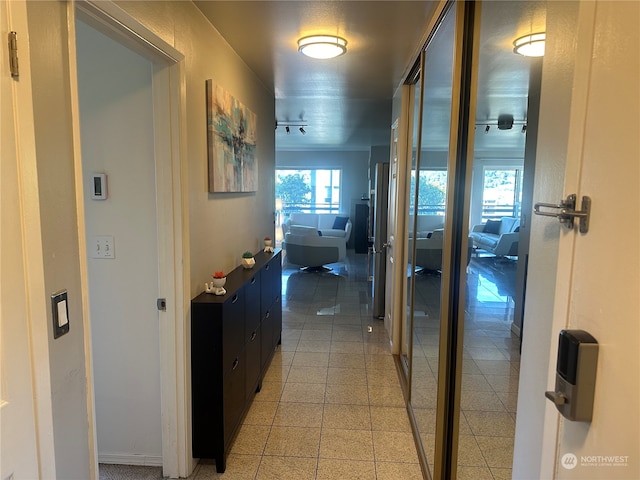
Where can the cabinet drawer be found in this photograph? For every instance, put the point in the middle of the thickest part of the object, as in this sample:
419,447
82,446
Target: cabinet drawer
276,321
267,338
233,398
232,328
266,294
251,305
252,354
271,279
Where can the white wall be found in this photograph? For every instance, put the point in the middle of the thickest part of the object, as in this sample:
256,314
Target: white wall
378,154
116,113
354,166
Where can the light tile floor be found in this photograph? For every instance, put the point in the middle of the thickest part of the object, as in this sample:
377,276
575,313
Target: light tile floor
491,365
331,405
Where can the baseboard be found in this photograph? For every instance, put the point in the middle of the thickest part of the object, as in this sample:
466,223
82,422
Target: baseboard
130,459
515,329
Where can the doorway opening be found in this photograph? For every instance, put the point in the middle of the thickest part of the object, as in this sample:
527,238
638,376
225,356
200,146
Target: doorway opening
155,162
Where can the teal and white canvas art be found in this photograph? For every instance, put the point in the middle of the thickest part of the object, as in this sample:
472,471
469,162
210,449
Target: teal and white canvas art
231,143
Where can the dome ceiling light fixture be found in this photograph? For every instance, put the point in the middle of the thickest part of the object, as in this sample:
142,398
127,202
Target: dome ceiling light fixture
531,45
322,46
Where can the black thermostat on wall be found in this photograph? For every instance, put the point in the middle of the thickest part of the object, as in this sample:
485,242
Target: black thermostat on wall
60,311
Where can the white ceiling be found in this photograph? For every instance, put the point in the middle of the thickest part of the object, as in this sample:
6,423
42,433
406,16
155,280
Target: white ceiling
346,101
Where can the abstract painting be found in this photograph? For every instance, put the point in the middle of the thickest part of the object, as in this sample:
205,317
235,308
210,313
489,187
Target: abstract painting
231,143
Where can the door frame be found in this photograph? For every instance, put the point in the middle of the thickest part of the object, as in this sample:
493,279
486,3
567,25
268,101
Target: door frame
169,100
37,301
389,252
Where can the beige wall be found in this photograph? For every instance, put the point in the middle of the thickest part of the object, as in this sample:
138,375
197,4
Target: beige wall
222,226
55,163
219,227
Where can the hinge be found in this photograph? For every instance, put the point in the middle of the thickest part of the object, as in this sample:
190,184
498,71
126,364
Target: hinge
13,55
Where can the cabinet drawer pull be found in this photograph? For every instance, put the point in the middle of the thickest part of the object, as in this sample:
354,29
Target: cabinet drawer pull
267,266
234,299
253,280
268,314
253,336
235,364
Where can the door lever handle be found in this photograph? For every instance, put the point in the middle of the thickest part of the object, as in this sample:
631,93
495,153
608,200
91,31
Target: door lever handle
567,211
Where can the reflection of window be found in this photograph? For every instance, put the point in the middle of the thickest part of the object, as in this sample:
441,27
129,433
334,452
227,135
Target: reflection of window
310,190
501,194
432,191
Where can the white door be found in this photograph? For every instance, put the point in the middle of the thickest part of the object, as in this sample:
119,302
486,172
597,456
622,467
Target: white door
19,309
605,286
597,282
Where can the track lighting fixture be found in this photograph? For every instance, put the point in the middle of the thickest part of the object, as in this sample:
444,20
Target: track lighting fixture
505,121
288,125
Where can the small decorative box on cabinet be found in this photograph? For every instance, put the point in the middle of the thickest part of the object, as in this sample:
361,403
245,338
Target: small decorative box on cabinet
233,339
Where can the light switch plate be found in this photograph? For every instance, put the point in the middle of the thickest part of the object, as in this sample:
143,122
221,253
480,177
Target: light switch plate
102,246
60,311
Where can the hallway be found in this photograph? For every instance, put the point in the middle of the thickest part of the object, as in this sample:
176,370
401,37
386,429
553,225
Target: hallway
331,405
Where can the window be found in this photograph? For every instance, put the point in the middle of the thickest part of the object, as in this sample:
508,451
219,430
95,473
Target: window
310,190
502,193
432,192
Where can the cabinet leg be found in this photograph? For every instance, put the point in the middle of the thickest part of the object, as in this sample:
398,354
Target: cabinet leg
221,464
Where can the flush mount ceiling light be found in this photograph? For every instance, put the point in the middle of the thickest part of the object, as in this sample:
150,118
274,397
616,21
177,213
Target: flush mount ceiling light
530,45
322,46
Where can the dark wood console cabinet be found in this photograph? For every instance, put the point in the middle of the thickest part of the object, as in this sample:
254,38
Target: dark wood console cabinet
233,339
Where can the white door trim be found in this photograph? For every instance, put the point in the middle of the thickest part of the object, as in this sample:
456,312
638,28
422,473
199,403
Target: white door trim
171,202
37,300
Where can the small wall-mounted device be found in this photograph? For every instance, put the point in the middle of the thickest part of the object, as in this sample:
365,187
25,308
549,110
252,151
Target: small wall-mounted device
98,186
60,311
575,375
